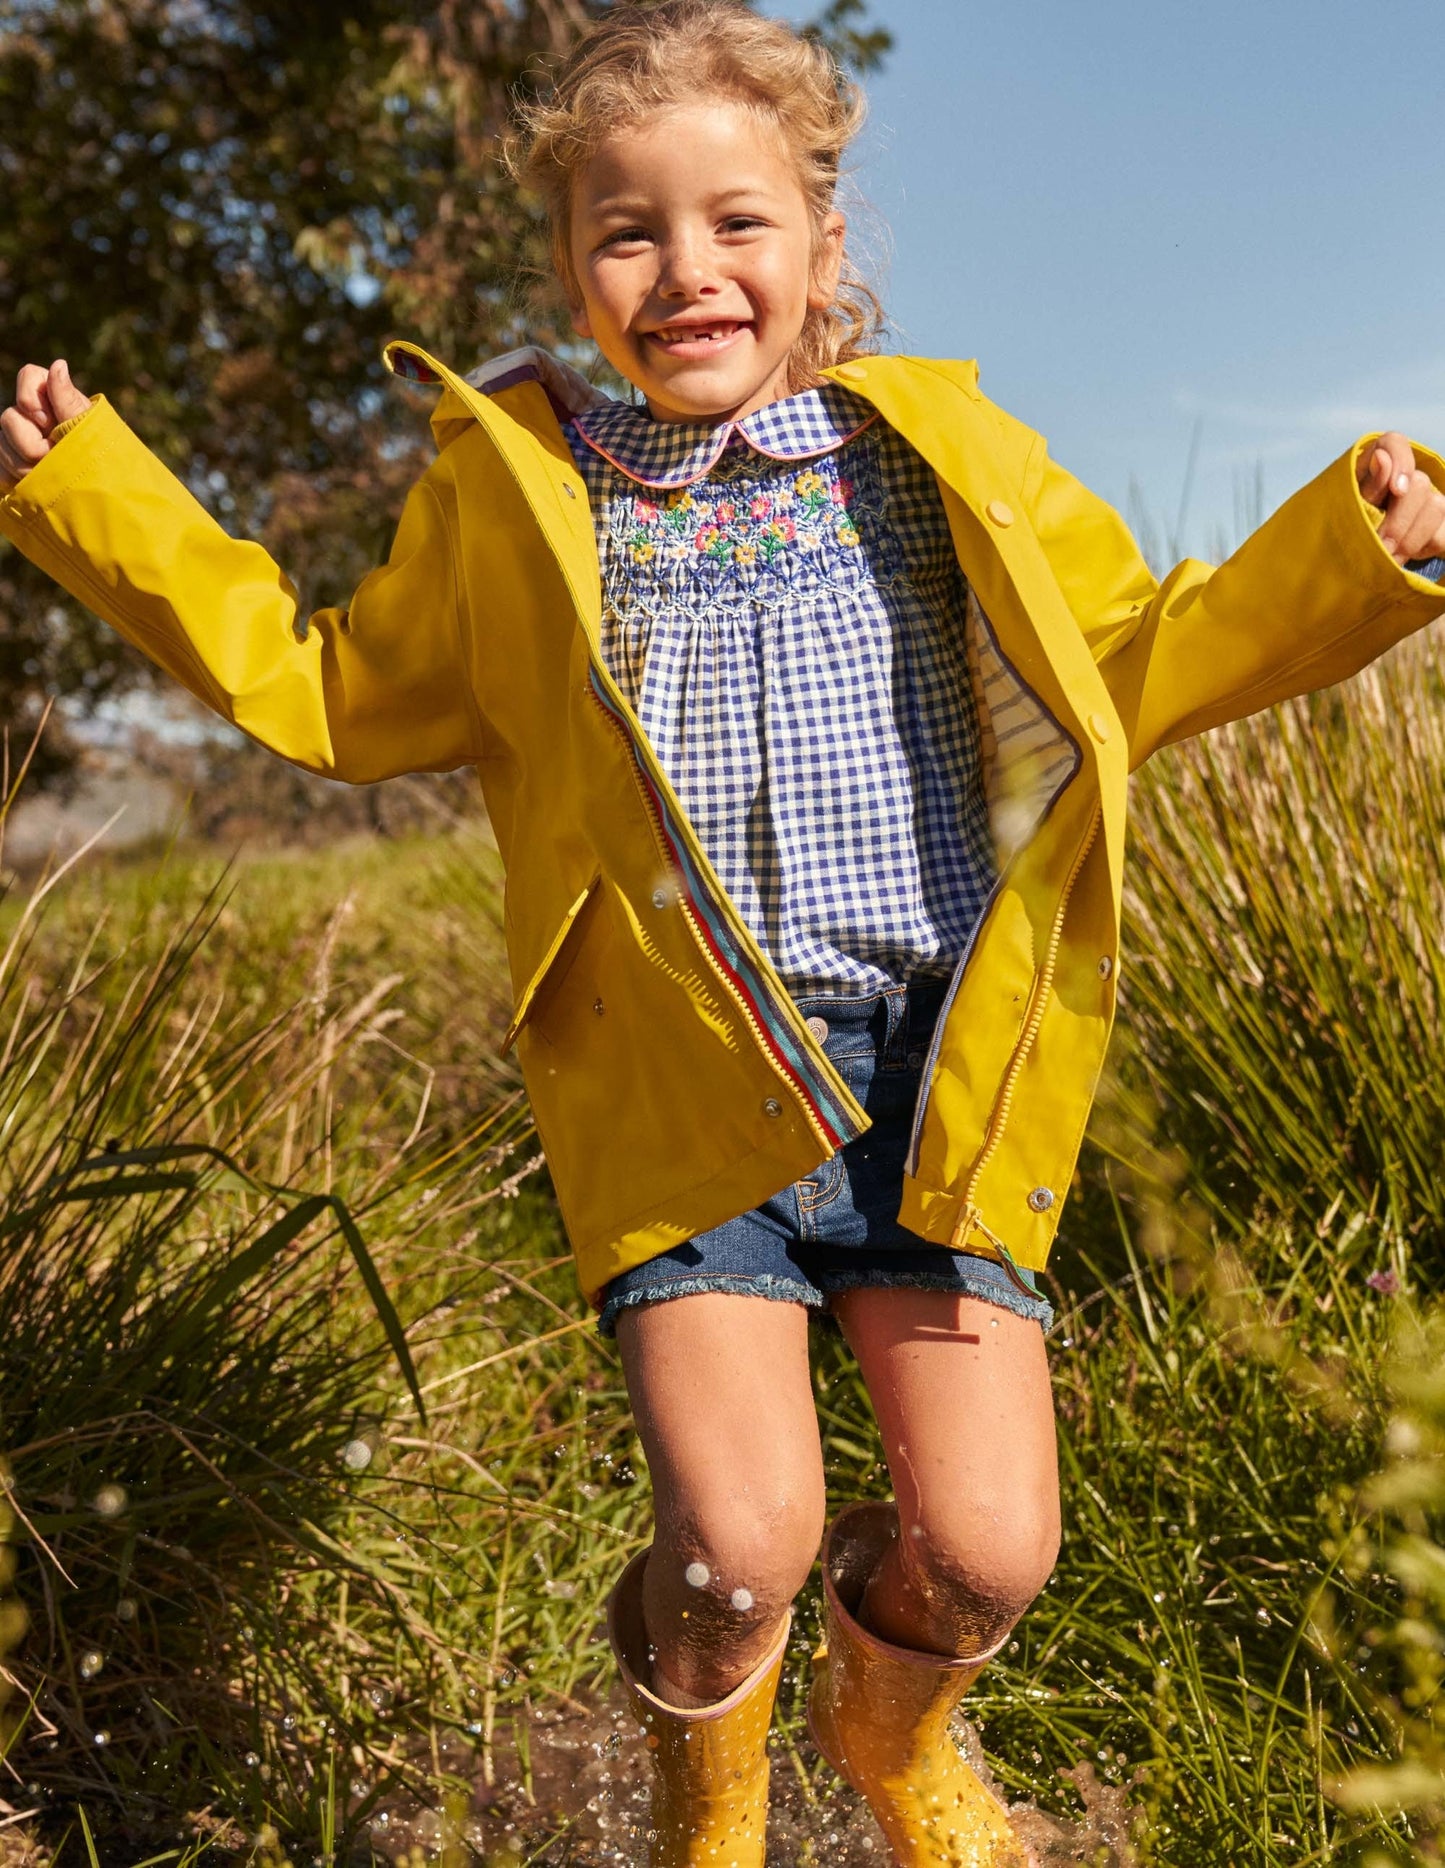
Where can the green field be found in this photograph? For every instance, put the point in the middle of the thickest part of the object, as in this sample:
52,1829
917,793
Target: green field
260,1163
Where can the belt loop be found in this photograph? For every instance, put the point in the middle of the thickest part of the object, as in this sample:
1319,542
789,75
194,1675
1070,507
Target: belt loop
895,1044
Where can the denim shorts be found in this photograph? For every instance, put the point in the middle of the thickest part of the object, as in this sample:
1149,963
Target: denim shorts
837,1228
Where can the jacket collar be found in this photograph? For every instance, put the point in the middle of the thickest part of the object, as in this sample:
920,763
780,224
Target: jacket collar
674,454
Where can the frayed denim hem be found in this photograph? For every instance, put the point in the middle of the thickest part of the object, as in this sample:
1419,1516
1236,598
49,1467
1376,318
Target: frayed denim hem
764,1284
986,1289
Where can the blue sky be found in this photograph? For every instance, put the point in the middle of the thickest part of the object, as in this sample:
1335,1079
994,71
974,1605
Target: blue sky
1143,218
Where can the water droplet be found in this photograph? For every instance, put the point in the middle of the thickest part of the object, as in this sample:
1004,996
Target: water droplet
1263,1617
250,1760
110,1501
474,1726
742,1600
356,1455
91,1662
125,1609
698,1574
102,1738
1158,1595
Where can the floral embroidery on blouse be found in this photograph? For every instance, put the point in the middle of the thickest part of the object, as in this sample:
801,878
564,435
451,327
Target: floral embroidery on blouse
802,513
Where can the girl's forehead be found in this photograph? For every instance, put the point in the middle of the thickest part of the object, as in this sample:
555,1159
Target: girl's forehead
700,133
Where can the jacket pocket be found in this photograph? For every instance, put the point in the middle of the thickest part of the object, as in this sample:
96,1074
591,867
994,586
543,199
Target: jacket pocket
547,964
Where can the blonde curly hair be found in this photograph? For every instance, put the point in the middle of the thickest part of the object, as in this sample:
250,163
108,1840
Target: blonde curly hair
640,58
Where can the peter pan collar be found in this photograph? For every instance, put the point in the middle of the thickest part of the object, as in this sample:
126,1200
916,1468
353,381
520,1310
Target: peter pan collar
673,454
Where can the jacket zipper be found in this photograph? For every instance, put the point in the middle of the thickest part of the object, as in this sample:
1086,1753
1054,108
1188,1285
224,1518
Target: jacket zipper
833,1133
1042,987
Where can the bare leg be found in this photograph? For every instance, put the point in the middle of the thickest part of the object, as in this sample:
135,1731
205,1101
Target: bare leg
721,1391
961,1391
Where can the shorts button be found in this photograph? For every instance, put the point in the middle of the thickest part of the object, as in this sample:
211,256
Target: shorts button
772,1107
819,1028
659,898
1041,1199
915,1060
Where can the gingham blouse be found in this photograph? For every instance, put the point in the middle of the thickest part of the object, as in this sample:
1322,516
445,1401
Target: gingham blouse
783,609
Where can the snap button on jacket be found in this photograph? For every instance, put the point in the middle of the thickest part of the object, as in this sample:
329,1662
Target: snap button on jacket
673,1082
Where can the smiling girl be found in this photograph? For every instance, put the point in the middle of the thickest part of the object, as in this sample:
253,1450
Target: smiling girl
804,690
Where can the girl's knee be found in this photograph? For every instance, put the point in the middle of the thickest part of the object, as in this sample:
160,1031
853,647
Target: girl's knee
743,1563
980,1570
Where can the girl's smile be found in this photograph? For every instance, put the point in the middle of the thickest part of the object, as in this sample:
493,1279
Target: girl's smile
694,255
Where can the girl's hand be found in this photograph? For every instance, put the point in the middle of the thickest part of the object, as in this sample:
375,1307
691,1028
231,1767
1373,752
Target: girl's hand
43,399
1414,511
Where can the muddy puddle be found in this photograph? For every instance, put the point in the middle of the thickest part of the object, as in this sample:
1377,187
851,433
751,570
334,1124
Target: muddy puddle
570,1791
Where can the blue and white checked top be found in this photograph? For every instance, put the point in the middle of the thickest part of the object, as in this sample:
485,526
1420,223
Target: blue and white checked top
784,611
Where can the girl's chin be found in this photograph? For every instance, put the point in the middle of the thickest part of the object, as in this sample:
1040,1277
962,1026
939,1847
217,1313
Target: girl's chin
708,395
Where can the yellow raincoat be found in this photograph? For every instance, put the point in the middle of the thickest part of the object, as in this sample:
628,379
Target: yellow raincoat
673,1082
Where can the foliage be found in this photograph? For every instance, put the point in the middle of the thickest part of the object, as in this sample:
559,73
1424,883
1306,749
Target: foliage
1286,981
1406,1541
218,210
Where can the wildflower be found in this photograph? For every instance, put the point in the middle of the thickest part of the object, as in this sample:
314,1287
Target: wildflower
1387,1283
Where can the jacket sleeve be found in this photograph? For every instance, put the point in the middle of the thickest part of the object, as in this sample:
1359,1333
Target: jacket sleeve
363,692
1306,601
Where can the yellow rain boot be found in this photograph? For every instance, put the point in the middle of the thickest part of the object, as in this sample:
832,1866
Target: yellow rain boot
879,1715
709,1766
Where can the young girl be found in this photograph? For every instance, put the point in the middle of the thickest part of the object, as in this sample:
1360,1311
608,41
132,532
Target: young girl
804,690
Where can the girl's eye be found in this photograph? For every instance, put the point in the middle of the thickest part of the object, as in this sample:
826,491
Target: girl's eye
626,236
741,223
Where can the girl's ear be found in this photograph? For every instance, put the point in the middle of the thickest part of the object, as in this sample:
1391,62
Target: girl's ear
828,265
581,323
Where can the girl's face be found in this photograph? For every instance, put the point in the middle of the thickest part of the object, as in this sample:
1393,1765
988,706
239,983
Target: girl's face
693,251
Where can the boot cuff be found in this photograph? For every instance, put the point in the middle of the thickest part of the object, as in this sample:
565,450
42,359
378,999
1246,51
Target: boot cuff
856,1543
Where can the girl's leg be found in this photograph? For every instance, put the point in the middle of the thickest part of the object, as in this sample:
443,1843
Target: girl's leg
961,1391
721,1391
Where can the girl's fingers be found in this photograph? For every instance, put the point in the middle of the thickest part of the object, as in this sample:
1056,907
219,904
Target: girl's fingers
1391,463
1413,519
30,399
21,445
61,394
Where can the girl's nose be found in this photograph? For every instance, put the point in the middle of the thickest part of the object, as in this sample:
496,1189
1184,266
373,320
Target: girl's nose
686,271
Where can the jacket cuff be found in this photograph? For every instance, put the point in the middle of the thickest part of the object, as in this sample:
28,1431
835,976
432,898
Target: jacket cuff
71,421
1431,569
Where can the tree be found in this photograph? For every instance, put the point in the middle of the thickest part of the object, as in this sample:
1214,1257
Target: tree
217,211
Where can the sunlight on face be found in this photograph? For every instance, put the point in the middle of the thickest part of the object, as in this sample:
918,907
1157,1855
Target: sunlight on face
692,247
